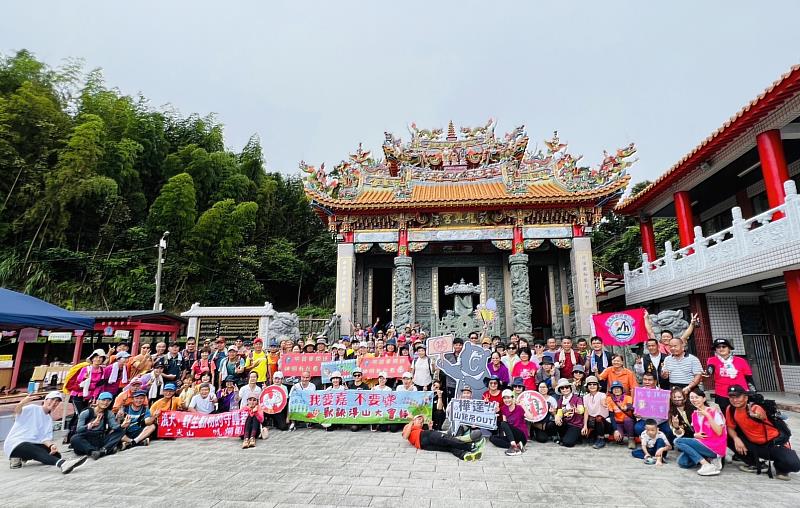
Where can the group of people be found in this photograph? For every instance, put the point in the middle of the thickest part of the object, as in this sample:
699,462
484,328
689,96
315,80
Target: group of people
589,391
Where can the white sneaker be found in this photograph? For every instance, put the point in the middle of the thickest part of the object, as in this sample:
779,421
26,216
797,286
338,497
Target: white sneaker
717,463
708,470
67,466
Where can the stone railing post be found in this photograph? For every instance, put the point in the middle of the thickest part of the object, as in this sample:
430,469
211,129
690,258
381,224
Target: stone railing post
669,260
700,246
792,206
739,231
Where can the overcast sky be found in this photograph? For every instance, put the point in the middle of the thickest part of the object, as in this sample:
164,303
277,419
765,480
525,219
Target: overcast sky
313,79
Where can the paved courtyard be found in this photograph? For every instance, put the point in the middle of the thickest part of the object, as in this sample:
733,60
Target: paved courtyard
315,468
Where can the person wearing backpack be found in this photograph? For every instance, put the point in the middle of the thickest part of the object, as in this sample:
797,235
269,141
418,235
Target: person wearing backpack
759,435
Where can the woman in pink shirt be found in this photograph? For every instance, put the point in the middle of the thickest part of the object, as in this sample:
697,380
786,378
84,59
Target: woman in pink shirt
727,370
526,369
709,443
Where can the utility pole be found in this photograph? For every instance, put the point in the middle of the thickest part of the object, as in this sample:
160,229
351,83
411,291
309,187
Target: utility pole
162,246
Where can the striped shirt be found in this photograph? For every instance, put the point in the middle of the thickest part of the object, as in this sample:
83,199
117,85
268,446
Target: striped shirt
682,370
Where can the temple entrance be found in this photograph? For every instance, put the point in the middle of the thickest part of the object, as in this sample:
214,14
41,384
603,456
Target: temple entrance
452,275
540,301
381,296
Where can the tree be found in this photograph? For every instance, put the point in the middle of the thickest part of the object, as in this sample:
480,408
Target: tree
174,209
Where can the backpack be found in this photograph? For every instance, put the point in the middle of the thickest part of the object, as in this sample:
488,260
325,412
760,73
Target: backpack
71,379
773,418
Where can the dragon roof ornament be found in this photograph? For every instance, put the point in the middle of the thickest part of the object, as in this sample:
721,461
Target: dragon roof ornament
473,155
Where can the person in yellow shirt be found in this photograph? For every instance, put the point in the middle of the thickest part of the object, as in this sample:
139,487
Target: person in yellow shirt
257,361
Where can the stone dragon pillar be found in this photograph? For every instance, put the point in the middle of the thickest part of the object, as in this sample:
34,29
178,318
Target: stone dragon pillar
520,295
402,312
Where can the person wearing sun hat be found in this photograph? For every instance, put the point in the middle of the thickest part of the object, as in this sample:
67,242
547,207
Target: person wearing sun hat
621,406
595,417
98,432
569,414
31,435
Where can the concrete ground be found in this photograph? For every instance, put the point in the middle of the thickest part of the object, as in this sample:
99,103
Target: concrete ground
314,468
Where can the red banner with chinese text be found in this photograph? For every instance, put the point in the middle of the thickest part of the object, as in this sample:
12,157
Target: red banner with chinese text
293,364
180,424
394,366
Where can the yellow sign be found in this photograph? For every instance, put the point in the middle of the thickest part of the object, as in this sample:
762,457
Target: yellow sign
6,362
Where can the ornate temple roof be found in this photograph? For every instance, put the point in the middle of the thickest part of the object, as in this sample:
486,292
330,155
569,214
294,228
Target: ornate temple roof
473,168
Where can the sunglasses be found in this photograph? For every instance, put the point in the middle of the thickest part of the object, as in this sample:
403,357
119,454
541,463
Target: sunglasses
357,374
563,387
591,384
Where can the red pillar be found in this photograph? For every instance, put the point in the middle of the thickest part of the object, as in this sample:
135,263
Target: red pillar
402,242
792,279
578,230
773,166
648,238
683,212
517,243
17,365
135,344
702,334
76,354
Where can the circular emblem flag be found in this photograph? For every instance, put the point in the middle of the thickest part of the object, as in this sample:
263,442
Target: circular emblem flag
534,404
621,327
273,399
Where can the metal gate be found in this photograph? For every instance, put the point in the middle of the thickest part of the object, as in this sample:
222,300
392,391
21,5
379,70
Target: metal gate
759,353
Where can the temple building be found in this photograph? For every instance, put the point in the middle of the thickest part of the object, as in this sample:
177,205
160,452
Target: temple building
738,215
450,220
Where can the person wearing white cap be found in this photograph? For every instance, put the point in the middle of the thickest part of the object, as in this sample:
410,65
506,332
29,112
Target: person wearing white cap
408,383
116,373
512,427
336,385
31,436
381,387
278,419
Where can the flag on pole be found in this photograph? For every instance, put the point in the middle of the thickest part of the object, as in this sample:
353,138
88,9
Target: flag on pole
622,328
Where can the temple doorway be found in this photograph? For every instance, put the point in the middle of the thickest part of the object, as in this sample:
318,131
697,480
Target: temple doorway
381,296
452,275
540,301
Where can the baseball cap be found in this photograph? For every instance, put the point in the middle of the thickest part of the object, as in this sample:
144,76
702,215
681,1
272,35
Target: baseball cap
383,374
407,375
616,384
722,342
105,396
507,393
123,354
336,373
579,368
140,393
54,395
233,348
358,370
169,386
517,382
736,390
277,374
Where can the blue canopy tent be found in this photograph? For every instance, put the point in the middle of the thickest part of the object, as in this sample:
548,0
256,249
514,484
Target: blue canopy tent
19,311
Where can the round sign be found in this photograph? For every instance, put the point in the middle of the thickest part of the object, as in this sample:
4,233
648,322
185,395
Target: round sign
108,331
273,399
534,404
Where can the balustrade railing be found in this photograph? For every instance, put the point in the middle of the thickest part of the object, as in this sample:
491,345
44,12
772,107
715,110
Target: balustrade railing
721,251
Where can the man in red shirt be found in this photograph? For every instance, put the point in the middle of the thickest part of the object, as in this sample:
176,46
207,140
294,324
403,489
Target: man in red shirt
467,448
755,438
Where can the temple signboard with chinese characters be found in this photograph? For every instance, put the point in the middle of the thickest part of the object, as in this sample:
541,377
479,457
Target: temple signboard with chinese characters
466,209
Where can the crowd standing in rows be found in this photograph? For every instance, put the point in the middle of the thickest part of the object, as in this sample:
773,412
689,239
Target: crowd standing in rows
118,398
